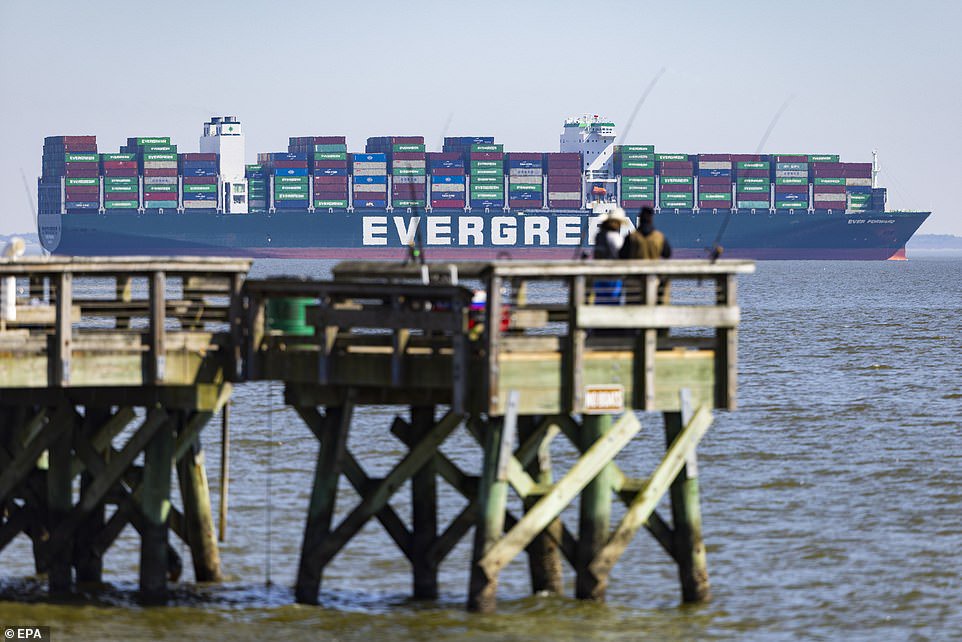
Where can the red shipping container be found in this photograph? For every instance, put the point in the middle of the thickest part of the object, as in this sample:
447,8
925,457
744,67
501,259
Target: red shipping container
714,157
82,189
828,173
303,141
200,180
715,204
288,163
677,189
440,156
447,205
331,195
120,196
78,148
798,158
409,189
118,164
632,171
675,172
330,180
526,156
407,140
788,189
448,171
77,139
564,171
321,164
746,158
198,156
556,156
676,164
475,156
529,205
401,156
858,170
563,163
715,180
637,204
117,173
753,173
752,196
558,185
828,167
160,171
86,172
565,204
160,196
76,165
829,189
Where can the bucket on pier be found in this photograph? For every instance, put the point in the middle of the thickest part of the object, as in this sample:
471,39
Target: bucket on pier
290,316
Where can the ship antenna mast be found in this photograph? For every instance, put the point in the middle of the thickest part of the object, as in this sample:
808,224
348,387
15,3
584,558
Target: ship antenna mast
876,168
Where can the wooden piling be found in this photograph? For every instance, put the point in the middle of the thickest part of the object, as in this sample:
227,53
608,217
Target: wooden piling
594,515
424,510
544,559
89,567
199,522
492,499
155,508
686,514
59,503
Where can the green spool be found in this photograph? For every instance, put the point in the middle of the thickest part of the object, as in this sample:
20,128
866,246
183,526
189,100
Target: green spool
289,316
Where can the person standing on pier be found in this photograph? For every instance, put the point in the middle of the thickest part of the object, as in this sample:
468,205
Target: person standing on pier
646,242
608,244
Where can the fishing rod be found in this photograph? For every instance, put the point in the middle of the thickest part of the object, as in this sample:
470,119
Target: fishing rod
581,252
716,250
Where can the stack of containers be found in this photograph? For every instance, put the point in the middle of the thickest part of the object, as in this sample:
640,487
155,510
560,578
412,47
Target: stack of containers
370,180
752,181
121,189
408,165
157,159
289,170
446,171
565,179
75,159
715,181
791,181
676,181
327,156
486,174
636,166
256,177
828,177
525,179
858,186
199,172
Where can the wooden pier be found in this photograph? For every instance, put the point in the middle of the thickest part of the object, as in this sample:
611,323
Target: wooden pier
557,349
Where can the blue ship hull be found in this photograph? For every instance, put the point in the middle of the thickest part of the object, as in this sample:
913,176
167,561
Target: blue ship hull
534,234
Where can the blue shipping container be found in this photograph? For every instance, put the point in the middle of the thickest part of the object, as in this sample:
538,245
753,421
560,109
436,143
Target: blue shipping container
372,204
204,164
447,196
82,205
452,180
858,189
481,204
199,172
714,172
291,205
200,196
445,164
290,171
525,196
476,140
525,164
284,156
370,158
330,171
370,180
792,196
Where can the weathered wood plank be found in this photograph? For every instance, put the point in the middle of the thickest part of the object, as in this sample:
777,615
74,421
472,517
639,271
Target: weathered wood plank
594,514
492,499
659,316
155,507
544,560
424,510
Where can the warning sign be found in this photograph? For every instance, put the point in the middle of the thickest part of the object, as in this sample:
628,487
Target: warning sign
604,399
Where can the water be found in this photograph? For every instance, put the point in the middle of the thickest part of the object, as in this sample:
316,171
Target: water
831,498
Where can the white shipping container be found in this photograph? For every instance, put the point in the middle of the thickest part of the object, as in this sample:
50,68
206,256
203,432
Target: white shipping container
715,165
200,205
160,164
447,187
791,173
564,196
525,180
363,171
861,182
371,165
409,180
829,197
160,180
408,164
370,187
525,171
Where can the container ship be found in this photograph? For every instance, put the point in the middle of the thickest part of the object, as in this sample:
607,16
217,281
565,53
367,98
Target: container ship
469,200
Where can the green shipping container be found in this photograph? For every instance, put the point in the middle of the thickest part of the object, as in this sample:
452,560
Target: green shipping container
753,180
487,163
753,189
323,156
753,165
160,157
329,148
120,180
408,147
752,205
524,187
330,203
636,164
122,205
289,180
829,181
154,189
408,171
290,189
715,196
81,158
674,197
153,140
118,157
642,149
478,148
792,180
485,172
823,158
205,189
159,149
791,205
859,198
86,182
487,180
487,188
289,196
161,205
117,189
642,180
677,180
254,168
636,156
671,157
409,203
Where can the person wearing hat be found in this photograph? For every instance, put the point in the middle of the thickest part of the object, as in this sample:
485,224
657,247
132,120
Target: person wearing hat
646,242
608,243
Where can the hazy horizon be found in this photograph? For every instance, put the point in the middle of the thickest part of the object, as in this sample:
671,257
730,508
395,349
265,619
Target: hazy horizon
859,76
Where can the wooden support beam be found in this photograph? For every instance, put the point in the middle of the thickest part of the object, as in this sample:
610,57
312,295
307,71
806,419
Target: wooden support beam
124,293
89,568
59,504
62,346
492,500
155,507
492,344
686,512
594,514
550,505
156,357
320,512
544,560
572,398
198,518
26,458
656,486
424,510
442,546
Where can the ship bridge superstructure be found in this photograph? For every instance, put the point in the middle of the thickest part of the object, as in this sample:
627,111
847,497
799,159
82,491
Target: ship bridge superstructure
593,136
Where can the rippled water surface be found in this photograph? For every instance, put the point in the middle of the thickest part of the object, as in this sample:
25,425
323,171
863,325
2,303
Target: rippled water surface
832,499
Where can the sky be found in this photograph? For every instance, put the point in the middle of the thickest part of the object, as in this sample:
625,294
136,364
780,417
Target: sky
856,75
